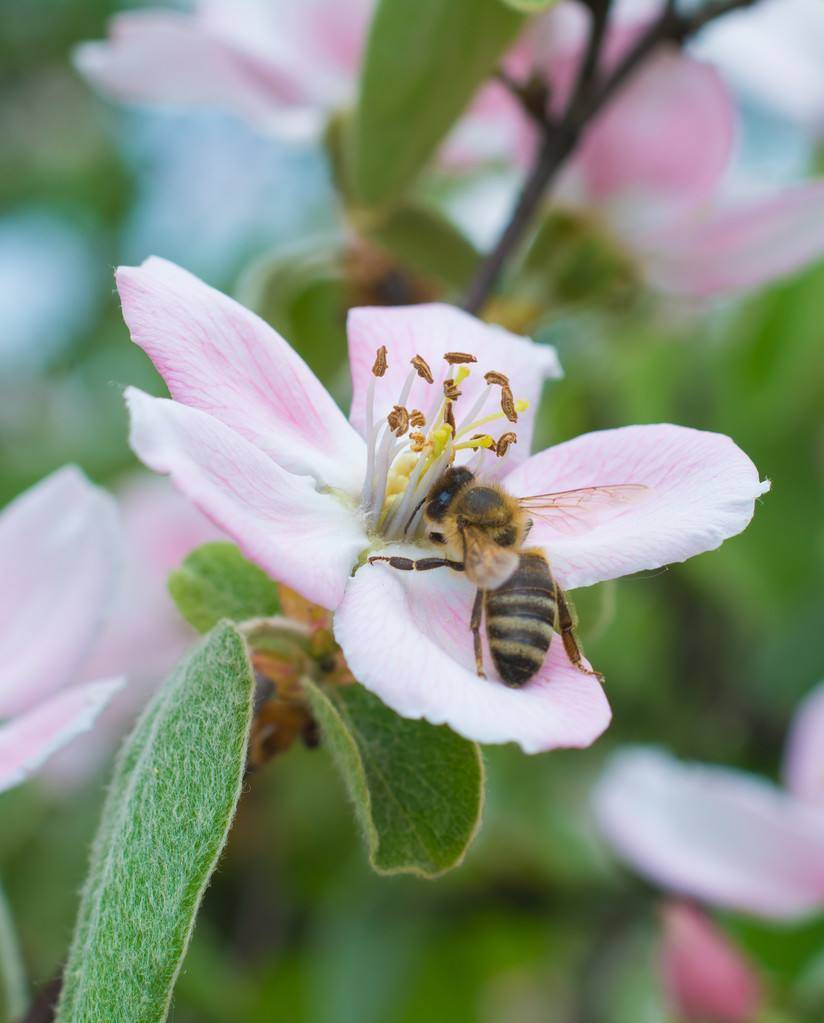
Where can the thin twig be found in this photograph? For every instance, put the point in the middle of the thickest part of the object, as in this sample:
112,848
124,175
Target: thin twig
589,96
12,970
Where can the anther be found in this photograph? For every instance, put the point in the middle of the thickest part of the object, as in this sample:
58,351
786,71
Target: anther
380,365
417,442
450,390
504,443
508,404
493,377
449,417
398,420
417,418
455,358
423,369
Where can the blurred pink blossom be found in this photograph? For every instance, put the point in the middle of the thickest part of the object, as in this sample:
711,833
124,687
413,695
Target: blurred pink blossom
281,65
720,835
60,550
253,438
706,979
144,635
772,51
649,172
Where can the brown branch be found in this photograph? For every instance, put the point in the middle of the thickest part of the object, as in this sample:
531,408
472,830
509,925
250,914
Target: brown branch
589,96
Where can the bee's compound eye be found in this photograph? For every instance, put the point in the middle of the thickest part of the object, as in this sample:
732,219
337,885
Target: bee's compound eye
437,538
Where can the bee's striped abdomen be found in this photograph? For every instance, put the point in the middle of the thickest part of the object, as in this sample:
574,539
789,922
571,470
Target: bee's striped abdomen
519,619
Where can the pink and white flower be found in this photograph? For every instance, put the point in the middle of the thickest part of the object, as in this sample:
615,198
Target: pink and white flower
59,550
723,836
144,635
706,978
651,174
281,66
252,437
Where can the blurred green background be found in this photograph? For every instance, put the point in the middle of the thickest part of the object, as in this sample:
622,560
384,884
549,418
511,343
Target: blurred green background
708,658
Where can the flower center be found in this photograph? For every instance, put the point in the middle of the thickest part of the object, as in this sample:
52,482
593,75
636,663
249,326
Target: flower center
409,448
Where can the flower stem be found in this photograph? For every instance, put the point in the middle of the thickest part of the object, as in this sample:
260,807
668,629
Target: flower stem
12,970
589,96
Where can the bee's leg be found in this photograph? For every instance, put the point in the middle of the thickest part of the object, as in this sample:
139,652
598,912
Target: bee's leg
419,564
566,628
475,626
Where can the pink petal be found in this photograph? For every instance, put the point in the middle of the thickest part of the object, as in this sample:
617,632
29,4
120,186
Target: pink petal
804,756
733,250
405,636
60,549
701,491
145,635
705,976
431,331
223,359
659,149
722,836
306,539
172,57
26,742
773,51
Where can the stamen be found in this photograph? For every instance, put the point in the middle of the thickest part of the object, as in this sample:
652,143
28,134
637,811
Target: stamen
450,390
449,417
493,377
398,420
381,365
417,441
417,418
504,443
479,441
508,404
454,358
521,405
422,369
383,460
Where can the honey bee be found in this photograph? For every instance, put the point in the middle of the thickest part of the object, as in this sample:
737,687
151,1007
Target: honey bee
483,529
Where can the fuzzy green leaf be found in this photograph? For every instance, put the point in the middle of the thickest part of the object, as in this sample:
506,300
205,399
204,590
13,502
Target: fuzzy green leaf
428,243
165,821
530,6
424,61
417,788
216,582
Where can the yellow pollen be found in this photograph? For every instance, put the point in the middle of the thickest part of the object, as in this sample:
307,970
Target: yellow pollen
521,405
482,441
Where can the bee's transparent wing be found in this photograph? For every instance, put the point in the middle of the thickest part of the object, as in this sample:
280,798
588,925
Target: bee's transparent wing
486,564
576,511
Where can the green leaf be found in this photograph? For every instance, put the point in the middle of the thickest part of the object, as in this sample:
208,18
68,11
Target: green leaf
424,61
427,242
216,581
165,821
417,788
530,6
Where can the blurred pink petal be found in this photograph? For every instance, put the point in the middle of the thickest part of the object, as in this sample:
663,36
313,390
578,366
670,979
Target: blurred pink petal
772,51
301,536
719,835
171,57
659,148
431,331
281,66
804,754
731,250
27,741
706,978
145,635
219,357
420,662
60,550
701,491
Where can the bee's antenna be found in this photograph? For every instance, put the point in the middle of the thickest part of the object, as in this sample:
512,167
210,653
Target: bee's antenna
418,507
